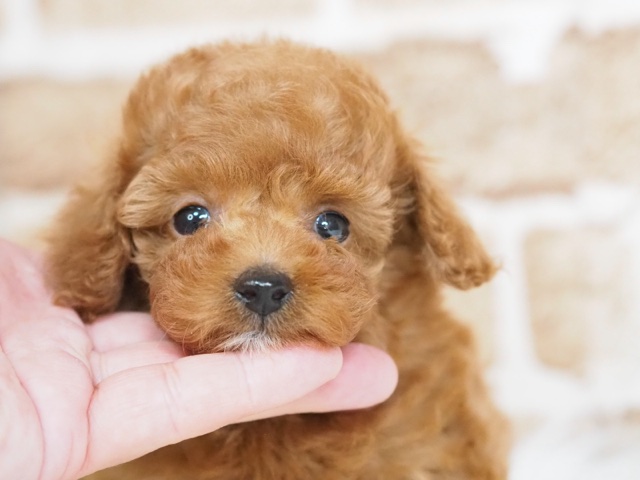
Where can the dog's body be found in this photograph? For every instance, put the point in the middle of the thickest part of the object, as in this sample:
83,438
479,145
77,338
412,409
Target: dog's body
278,165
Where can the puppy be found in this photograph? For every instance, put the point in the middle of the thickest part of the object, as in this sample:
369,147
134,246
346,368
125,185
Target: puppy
264,195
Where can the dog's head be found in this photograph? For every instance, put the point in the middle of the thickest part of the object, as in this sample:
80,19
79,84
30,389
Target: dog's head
258,189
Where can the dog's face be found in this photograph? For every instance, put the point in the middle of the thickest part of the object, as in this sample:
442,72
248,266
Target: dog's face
258,190
261,227
264,213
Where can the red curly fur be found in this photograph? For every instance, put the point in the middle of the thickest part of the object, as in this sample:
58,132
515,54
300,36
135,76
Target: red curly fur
267,136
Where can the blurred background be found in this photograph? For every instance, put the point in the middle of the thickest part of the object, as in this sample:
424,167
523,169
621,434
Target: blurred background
532,107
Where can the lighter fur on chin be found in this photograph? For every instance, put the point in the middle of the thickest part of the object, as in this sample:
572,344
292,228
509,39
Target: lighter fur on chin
257,341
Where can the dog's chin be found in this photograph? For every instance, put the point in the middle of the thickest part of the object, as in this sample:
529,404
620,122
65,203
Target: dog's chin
256,341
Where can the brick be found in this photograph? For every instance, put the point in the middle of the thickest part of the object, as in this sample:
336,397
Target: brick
496,138
583,303
52,132
452,96
60,14
599,76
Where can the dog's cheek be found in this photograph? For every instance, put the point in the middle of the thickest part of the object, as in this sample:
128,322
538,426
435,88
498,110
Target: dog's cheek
191,301
335,300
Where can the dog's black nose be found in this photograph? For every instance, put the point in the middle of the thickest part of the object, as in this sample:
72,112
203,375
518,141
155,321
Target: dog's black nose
263,292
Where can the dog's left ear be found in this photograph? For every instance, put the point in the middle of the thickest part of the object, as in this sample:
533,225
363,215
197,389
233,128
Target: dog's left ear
432,226
89,250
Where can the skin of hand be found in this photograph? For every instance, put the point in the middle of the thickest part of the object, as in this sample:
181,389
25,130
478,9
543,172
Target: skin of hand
78,398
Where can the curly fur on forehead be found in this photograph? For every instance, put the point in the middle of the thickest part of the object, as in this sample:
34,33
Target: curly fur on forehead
256,102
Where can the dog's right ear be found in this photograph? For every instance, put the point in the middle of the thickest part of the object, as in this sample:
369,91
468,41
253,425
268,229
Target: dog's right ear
432,227
89,250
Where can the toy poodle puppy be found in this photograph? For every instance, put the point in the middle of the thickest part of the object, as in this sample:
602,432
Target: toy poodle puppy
264,195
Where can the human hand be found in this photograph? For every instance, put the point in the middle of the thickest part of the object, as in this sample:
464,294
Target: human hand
77,398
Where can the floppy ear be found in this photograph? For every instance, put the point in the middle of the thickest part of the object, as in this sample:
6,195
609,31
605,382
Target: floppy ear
88,249
434,228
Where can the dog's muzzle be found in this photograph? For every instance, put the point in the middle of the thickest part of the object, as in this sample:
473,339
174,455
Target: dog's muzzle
263,292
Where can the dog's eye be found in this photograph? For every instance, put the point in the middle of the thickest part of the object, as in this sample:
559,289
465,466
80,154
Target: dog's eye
332,225
190,219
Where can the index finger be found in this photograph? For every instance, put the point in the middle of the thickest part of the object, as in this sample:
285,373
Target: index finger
166,403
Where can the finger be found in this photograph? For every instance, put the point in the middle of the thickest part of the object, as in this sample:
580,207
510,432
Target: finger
122,329
368,377
167,403
109,363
